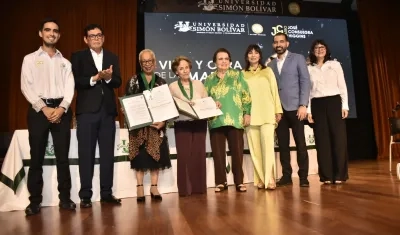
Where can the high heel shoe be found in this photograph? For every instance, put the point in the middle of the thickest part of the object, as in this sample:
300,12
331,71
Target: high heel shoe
156,197
241,188
221,187
271,186
140,193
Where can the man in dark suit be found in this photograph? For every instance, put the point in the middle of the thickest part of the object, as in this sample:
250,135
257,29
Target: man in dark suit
97,74
294,85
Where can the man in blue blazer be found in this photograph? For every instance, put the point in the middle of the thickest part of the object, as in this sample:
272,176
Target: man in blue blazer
294,85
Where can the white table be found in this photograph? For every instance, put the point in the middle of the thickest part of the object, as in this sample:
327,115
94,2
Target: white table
13,185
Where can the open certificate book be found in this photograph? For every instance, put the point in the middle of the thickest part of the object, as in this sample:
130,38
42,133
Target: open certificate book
144,109
202,108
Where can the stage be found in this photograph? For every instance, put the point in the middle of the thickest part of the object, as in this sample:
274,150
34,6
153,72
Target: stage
368,204
13,177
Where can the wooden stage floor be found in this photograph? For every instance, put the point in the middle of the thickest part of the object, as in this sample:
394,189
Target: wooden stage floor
367,204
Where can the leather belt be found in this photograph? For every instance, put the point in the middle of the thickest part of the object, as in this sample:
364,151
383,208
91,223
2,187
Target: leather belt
52,102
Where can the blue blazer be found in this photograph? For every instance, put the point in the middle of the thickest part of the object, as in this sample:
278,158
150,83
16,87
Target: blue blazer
294,81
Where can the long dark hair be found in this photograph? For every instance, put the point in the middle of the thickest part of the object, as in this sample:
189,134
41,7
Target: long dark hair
313,58
246,56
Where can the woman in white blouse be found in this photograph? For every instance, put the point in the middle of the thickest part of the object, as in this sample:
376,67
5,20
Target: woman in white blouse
327,109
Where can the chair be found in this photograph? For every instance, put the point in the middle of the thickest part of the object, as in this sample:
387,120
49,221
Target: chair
398,171
394,130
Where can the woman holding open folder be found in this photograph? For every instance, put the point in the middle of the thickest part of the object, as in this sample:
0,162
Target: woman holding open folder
266,111
190,135
148,146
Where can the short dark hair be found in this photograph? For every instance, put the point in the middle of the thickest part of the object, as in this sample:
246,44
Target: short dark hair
221,50
250,48
313,58
48,20
91,27
280,34
177,61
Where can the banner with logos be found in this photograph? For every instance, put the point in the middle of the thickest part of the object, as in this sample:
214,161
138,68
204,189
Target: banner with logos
241,6
197,36
265,7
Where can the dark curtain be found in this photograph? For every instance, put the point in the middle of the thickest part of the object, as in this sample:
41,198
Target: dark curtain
20,37
379,23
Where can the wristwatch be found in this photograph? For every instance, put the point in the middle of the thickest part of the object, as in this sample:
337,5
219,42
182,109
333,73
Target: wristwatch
305,106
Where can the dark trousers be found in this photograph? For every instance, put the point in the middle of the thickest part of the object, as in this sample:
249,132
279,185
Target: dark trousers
290,120
330,138
92,128
38,128
191,150
218,138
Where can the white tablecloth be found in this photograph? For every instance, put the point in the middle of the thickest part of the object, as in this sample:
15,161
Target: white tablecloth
13,185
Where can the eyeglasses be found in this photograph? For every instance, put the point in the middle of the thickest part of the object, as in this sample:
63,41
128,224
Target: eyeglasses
149,62
95,36
320,48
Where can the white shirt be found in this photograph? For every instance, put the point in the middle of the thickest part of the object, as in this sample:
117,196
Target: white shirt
328,81
98,61
280,62
45,77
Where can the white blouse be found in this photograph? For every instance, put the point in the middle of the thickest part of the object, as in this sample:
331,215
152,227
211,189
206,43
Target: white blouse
328,80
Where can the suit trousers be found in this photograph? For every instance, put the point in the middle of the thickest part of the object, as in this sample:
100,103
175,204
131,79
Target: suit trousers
290,120
330,138
93,128
261,144
218,138
38,128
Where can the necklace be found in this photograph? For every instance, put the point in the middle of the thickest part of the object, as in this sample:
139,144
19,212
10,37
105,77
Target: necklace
183,90
146,83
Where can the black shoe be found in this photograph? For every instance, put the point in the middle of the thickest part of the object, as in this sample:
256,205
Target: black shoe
86,203
156,197
141,198
110,199
284,182
67,204
32,209
304,183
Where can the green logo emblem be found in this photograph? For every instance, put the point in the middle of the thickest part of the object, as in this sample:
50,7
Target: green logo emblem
124,145
311,139
50,149
170,125
276,140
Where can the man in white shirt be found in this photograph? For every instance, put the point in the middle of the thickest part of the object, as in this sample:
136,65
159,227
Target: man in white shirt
47,83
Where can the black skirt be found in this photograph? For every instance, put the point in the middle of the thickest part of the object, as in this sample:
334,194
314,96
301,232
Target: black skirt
144,162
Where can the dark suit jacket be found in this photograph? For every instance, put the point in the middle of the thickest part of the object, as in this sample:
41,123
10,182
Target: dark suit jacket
90,98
